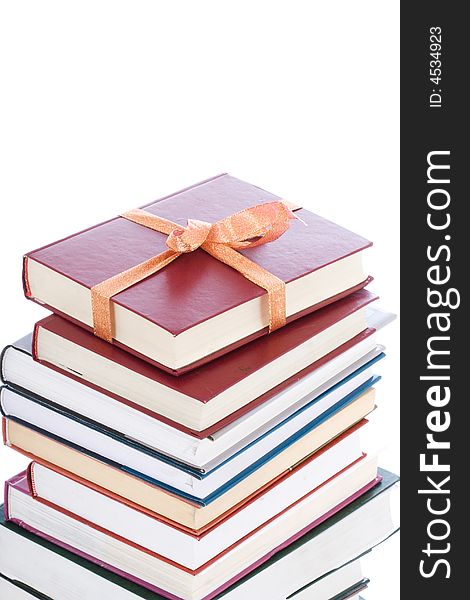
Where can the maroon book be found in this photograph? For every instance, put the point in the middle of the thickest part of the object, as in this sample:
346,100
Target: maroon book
196,308
237,382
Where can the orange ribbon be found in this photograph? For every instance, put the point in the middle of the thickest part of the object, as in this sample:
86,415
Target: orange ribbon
248,228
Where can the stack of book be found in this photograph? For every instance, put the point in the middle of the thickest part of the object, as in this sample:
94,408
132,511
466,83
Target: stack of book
185,443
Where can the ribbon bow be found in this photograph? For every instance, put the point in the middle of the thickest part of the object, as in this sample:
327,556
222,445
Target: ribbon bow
248,228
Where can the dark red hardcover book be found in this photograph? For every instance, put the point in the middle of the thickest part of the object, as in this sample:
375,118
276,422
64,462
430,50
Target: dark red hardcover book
211,380
165,318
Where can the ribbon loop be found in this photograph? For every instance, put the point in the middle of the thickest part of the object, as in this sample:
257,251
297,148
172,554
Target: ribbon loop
253,226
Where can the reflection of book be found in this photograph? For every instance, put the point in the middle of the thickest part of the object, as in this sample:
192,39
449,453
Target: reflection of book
47,568
197,307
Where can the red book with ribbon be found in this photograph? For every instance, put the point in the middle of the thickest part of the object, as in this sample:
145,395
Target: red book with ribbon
198,273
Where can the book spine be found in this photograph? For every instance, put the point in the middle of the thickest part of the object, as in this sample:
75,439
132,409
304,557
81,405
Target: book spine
31,479
35,340
26,286
6,503
2,362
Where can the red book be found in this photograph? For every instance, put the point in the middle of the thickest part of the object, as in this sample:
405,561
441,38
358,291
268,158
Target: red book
204,400
196,308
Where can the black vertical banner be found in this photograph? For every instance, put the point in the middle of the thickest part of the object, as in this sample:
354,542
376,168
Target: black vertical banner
435,324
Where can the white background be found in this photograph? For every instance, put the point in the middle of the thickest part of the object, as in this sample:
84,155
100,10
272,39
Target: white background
107,105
